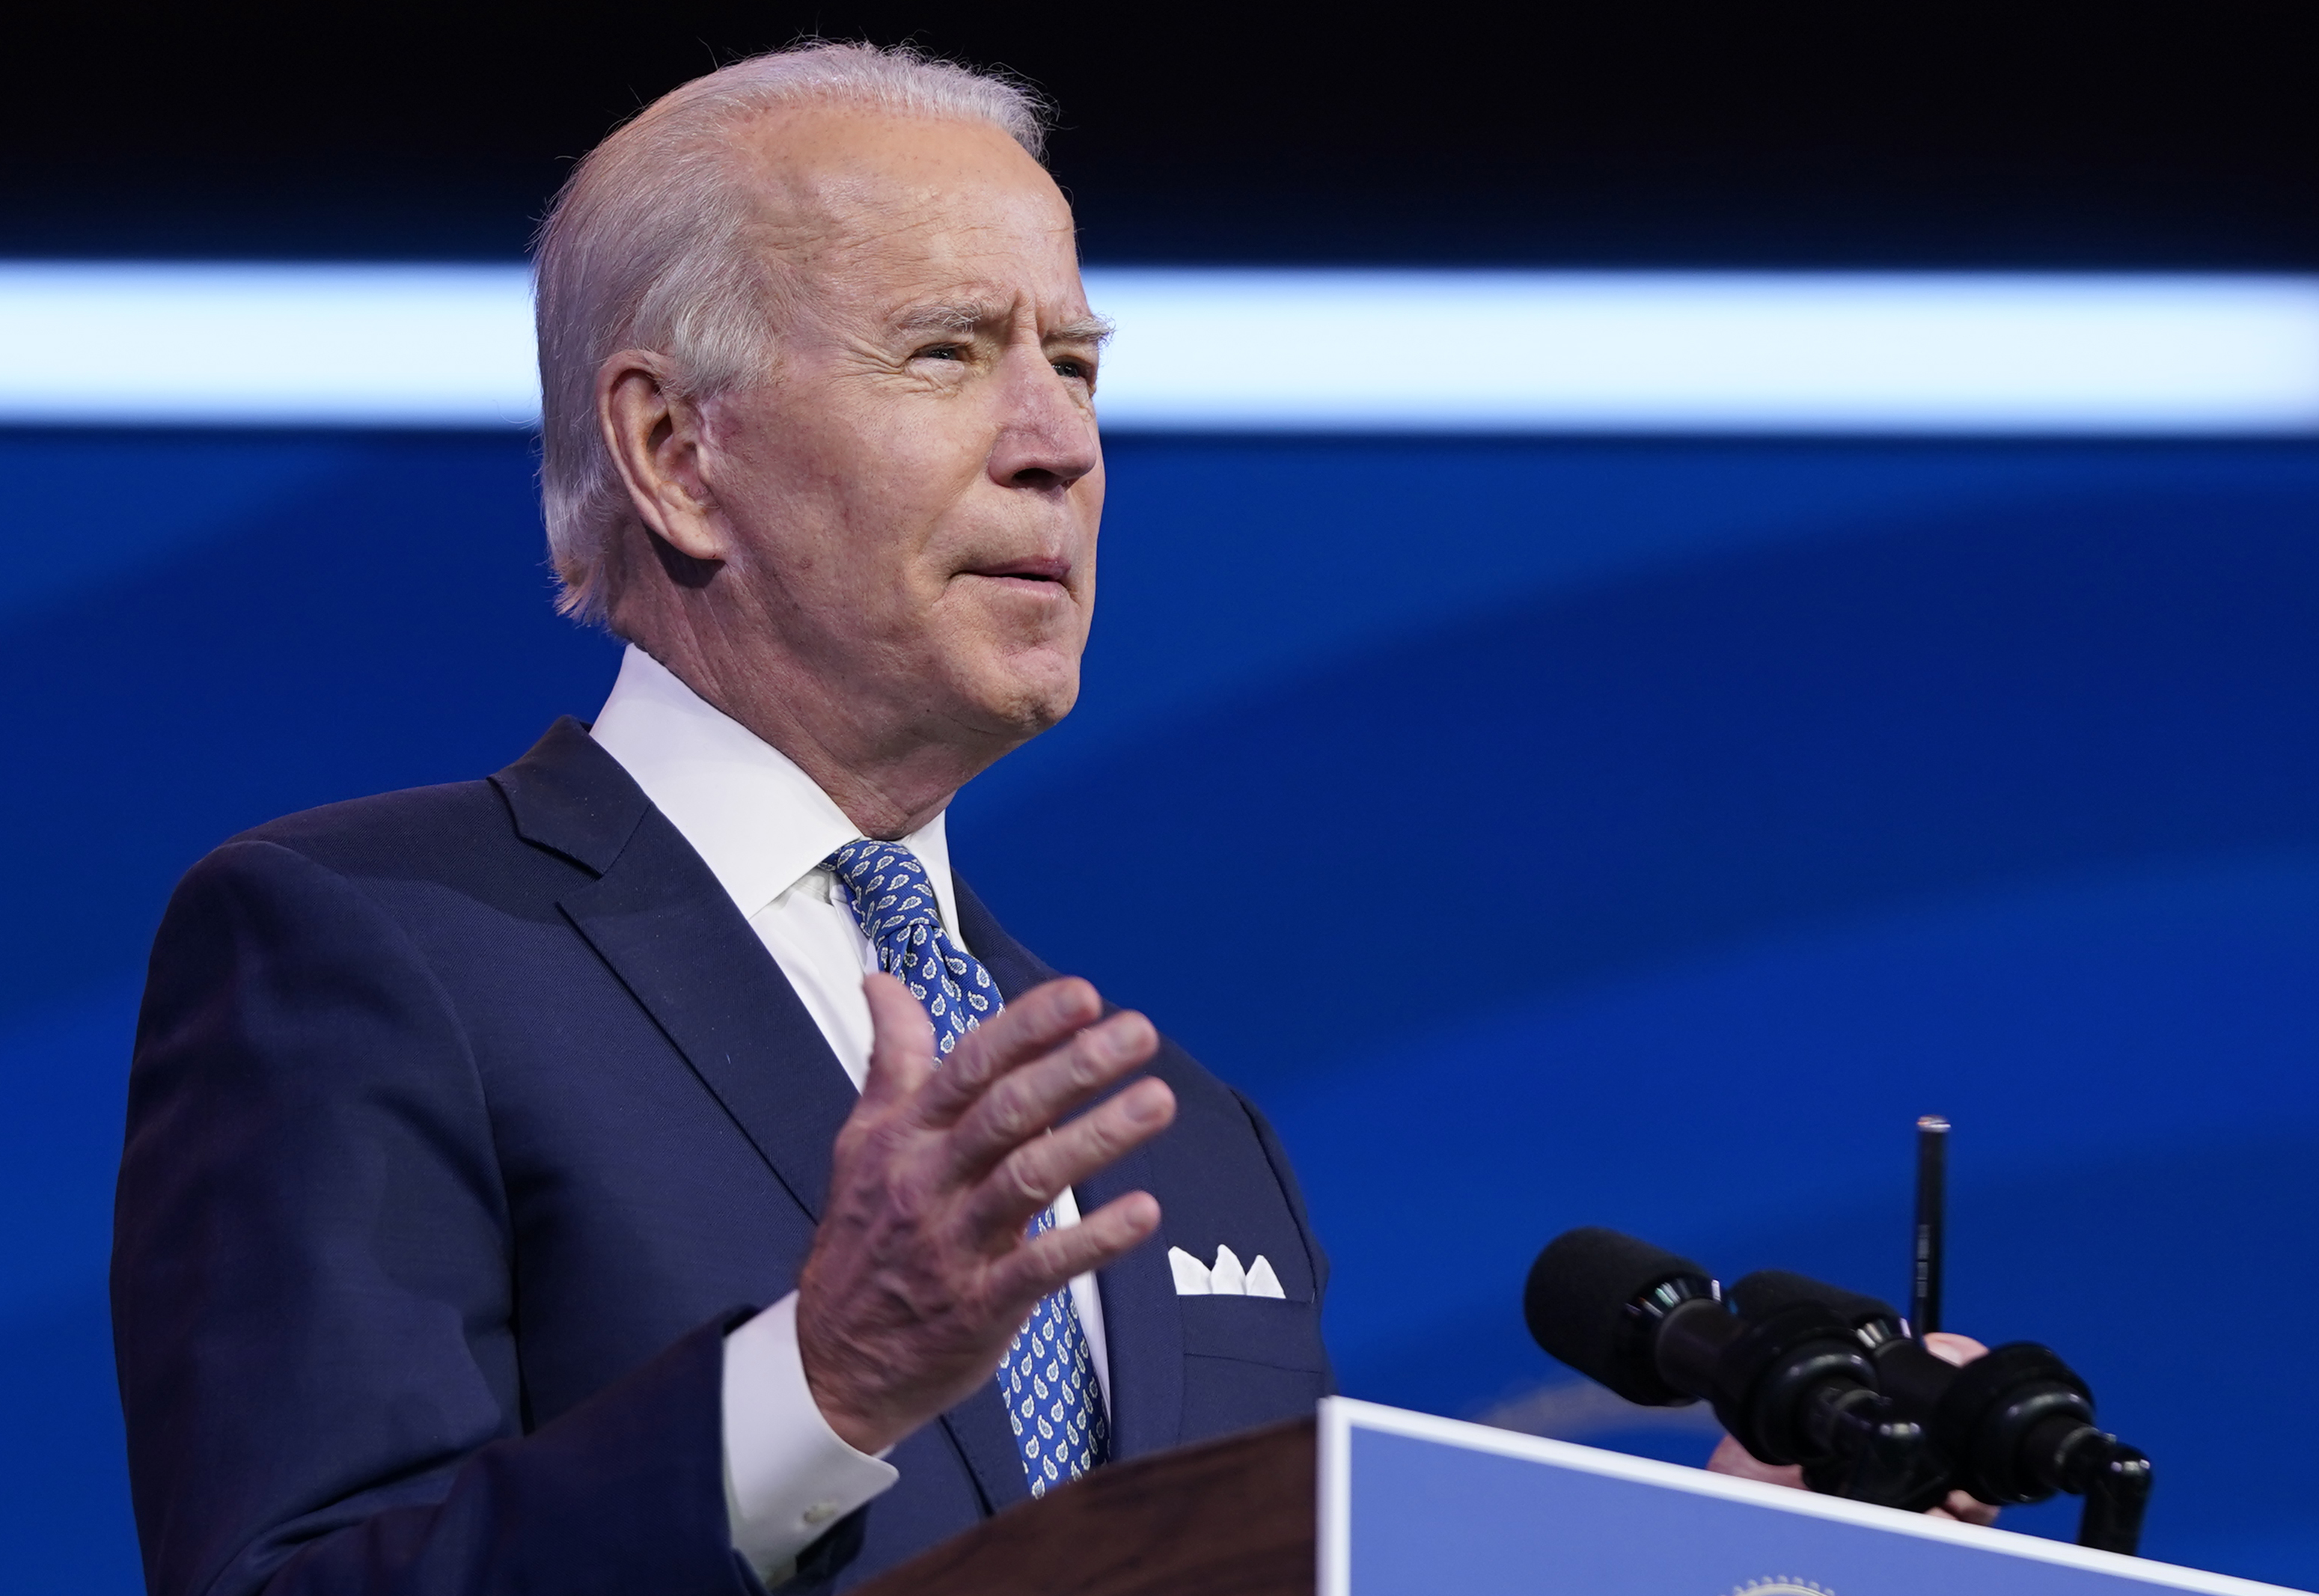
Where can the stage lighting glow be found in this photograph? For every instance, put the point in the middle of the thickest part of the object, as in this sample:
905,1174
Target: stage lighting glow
397,346
1270,350
1682,352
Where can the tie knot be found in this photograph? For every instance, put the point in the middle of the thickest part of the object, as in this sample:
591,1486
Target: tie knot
894,902
887,885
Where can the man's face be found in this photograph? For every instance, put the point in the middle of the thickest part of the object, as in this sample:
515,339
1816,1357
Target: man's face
913,493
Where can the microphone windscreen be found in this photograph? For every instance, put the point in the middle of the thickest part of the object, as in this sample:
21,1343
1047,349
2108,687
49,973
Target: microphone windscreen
1767,1291
1575,1303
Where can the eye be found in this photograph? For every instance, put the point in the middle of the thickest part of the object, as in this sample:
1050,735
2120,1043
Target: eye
1073,369
941,352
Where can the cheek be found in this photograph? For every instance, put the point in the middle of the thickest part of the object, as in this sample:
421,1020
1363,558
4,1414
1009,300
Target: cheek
846,483
941,441
904,508
853,540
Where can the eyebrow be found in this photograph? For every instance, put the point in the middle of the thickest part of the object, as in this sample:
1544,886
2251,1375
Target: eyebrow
967,318
948,318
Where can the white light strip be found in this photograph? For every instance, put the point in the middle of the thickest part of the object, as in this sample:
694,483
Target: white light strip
1658,352
267,345
1240,350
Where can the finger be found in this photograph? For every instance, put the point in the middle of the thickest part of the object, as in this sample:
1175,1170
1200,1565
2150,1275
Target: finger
1970,1512
1966,1508
1031,1027
1956,1349
1018,1107
1049,1261
901,1044
1034,1175
1732,1458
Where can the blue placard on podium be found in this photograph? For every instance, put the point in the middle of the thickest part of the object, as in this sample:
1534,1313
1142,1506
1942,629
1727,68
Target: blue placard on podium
1413,1505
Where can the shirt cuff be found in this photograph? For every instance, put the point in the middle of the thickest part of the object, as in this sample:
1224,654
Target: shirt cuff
787,1475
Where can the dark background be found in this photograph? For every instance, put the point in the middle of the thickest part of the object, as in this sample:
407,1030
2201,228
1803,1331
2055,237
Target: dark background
1674,819
1636,134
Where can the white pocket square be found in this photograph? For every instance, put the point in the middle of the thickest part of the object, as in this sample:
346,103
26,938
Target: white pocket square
1224,1277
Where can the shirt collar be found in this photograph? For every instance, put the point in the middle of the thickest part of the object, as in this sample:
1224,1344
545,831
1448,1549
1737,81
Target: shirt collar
760,823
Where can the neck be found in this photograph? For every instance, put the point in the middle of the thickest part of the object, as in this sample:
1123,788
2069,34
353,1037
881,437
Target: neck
889,778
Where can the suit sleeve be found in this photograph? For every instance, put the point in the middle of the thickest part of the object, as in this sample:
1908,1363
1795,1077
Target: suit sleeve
312,1290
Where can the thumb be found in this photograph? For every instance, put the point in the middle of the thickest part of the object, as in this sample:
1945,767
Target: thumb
1951,1348
1732,1458
901,1044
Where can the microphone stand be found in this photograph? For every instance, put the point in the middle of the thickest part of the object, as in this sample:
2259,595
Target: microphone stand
2117,1493
1928,1240
2113,1478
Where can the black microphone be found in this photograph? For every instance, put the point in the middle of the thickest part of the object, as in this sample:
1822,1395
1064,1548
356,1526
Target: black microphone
1599,1301
2018,1422
1794,1385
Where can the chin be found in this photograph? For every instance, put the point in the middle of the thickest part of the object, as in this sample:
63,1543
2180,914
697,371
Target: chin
1036,714
1021,704
1009,684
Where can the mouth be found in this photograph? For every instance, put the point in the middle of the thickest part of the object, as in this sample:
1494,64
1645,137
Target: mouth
1042,572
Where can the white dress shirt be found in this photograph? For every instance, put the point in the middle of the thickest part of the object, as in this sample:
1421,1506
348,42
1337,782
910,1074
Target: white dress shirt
764,829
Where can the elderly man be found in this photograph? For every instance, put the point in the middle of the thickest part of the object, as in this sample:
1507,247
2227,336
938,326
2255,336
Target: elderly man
627,1174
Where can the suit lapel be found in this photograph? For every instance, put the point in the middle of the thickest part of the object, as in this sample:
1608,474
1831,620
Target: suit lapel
661,920
1142,1329
658,917
1143,1332
666,927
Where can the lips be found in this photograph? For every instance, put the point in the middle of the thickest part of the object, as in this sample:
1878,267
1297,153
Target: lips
1041,568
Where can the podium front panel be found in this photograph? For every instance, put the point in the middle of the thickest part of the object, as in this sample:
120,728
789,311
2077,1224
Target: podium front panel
1413,1505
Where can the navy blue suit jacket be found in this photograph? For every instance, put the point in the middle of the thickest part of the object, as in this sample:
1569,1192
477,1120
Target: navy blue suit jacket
462,1124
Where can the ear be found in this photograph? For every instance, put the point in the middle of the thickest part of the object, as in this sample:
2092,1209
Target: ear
658,444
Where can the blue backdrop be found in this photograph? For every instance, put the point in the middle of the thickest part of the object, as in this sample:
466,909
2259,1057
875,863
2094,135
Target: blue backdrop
1674,822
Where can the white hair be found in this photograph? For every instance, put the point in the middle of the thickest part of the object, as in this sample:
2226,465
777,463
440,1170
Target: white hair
649,247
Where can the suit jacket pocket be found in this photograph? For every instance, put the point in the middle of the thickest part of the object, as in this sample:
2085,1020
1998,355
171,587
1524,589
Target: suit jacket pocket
1269,1330
1250,1361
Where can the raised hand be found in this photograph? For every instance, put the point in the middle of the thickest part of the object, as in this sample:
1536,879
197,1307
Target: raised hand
920,1272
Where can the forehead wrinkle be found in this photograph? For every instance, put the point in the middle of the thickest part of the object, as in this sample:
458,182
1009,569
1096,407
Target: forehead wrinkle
818,219
873,248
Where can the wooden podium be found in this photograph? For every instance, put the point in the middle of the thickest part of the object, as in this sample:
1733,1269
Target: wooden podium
1368,1501
1230,1518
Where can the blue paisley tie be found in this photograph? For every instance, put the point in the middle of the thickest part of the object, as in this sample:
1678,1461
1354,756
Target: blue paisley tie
1048,1380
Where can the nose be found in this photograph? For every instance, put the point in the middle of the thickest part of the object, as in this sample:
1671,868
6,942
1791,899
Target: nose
1047,438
